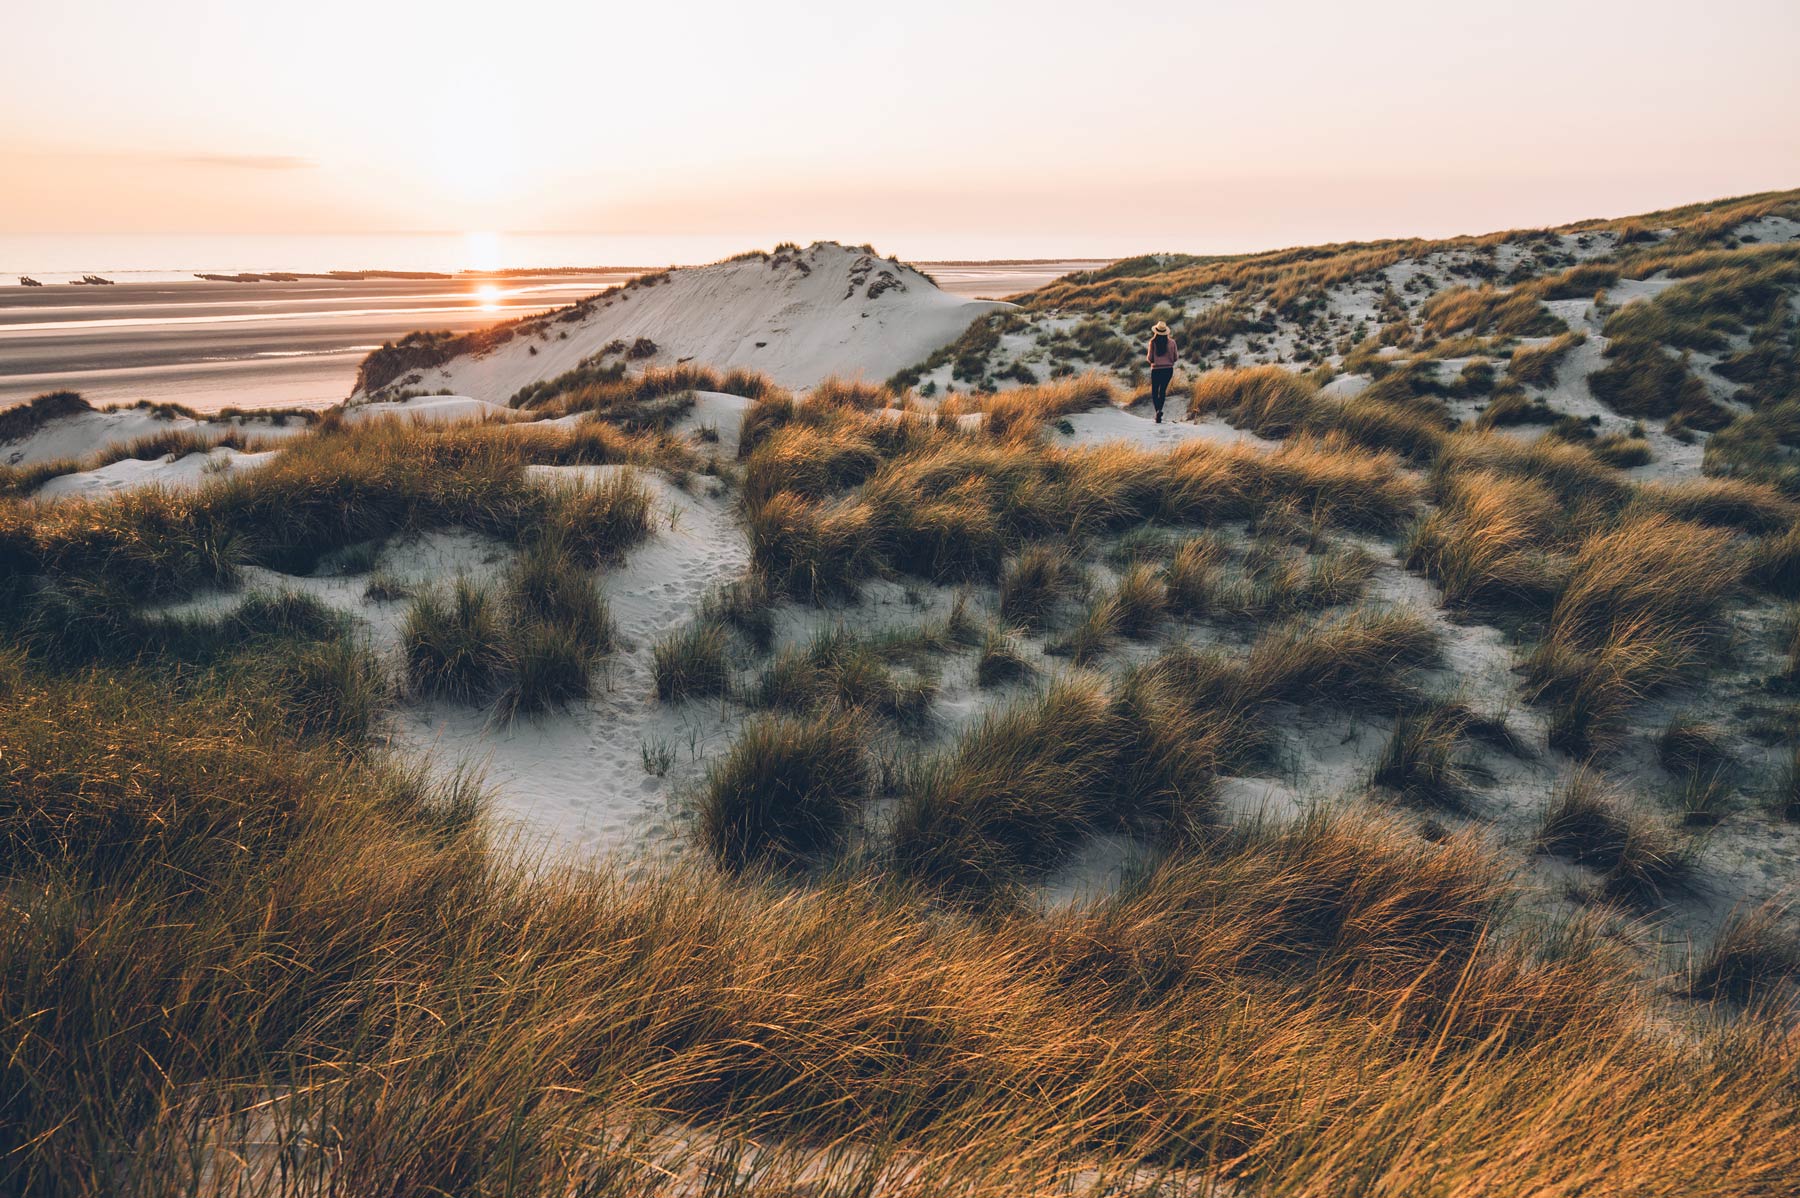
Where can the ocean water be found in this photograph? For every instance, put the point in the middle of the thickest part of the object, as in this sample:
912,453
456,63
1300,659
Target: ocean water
175,257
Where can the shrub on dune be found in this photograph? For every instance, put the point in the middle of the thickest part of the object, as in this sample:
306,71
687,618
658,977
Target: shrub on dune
786,793
836,670
1638,860
691,663
1491,540
454,642
1536,365
546,585
1036,582
1016,793
1001,661
1749,958
1358,657
1267,400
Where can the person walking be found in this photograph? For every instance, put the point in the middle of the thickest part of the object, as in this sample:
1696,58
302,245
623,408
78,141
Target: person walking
1162,357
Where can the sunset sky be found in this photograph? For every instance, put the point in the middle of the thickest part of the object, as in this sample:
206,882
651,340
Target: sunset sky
1093,128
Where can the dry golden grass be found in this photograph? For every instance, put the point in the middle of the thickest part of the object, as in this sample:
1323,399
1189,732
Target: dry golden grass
1491,540
1481,310
1640,610
950,505
1536,365
1300,1011
1268,400
1274,402
322,493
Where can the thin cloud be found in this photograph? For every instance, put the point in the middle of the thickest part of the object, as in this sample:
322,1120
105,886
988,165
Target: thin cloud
251,162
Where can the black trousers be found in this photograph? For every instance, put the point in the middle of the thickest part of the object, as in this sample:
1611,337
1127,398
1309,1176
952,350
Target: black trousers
1159,385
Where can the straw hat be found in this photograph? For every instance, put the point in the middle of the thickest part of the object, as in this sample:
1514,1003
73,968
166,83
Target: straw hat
1160,328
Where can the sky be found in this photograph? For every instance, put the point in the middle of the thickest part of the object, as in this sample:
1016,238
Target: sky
1069,128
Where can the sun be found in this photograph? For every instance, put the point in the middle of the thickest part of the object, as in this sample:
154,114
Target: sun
489,296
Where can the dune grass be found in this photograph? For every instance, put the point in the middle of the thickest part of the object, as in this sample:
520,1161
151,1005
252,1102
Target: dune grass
1639,860
1191,576
1480,310
1536,365
1013,797
1490,541
1640,379
787,792
692,662
1267,400
950,507
1511,406
1001,661
528,645
839,671
1722,503
240,944
1419,763
1272,584
1391,416
246,951
1751,956
319,494
454,642
1035,582
1640,609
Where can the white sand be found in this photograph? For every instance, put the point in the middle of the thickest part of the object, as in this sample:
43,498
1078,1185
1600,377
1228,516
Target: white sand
170,472
429,409
85,434
1103,425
